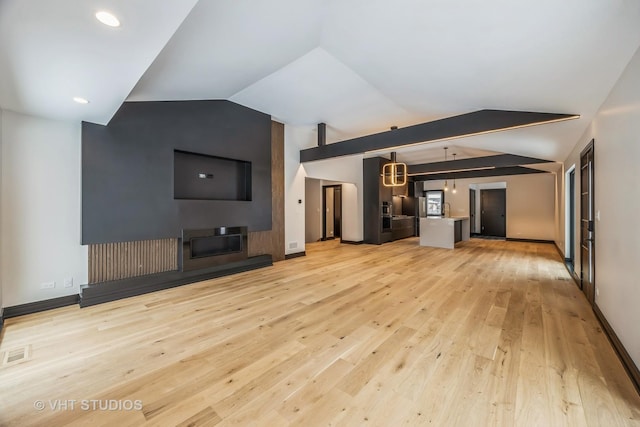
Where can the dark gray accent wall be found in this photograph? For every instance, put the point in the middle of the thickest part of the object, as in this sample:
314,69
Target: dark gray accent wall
127,169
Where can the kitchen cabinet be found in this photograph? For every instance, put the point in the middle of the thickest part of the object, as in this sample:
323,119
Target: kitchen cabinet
374,195
402,227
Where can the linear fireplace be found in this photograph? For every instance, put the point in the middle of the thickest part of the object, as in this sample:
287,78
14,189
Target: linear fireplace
212,246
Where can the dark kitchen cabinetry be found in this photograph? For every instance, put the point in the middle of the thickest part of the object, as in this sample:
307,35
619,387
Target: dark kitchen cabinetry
401,191
375,195
403,227
387,217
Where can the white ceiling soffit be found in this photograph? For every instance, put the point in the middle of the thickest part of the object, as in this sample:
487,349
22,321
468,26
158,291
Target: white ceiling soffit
52,51
225,46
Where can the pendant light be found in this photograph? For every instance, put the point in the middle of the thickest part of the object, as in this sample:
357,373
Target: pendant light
454,191
394,174
446,188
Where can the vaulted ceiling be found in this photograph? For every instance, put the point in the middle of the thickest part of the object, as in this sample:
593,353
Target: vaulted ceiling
359,66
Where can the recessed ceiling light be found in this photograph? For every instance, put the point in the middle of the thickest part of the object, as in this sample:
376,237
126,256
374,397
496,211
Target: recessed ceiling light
107,19
80,100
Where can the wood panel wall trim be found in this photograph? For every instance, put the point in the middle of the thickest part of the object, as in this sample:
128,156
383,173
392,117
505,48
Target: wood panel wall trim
277,184
623,355
115,261
272,241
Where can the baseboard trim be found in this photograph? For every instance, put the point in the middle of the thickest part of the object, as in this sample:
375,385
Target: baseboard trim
513,239
38,306
352,242
623,355
295,255
98,293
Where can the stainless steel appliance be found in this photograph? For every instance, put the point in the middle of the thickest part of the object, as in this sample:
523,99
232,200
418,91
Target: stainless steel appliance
432,204
386,216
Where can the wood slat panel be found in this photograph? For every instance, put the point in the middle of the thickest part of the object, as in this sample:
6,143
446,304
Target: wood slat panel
113,261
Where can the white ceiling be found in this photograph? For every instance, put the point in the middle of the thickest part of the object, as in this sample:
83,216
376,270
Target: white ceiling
360,66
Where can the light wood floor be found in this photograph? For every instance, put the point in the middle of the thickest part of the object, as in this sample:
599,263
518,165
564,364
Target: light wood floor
494,333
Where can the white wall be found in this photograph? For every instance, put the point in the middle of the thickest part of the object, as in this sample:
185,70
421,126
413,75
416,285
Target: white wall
530,203
40,209
616,130
344,170
352,213
313,210
1,213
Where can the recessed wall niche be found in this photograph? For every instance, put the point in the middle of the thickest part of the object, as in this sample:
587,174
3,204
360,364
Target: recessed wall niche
201,177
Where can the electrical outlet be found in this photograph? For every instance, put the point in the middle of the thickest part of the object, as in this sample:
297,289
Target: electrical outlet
48,285
597,291
68,282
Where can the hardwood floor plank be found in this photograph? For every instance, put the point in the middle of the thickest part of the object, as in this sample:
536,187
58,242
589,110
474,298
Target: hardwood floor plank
491,333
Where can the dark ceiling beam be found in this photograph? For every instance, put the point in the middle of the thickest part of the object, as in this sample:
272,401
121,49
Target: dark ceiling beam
511,170
477,122
498,161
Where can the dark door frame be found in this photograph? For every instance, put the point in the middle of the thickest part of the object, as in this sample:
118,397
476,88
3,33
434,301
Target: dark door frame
324,211
472,211
570,257
587,222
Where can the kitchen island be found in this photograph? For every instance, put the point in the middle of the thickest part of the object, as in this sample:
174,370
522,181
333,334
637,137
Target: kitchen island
440,232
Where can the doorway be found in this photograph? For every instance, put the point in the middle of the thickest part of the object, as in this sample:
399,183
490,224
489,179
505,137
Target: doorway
587,223
331,212
493,212
472,211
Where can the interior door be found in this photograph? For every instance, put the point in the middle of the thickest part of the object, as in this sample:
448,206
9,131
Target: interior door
332,211
337,211
587,224
493,212
472,210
